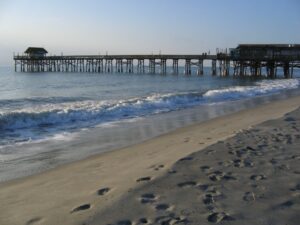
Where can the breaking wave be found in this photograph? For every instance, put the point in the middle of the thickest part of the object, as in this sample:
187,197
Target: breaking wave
54,116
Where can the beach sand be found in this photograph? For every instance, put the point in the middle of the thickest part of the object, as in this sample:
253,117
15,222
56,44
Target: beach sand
177,178
252,178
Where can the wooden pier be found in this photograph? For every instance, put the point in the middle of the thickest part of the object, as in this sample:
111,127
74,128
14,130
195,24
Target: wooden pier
245,60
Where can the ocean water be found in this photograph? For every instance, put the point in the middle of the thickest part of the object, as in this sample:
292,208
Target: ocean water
44,115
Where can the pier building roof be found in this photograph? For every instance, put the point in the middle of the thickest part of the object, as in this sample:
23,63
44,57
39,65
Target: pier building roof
37,50
270,46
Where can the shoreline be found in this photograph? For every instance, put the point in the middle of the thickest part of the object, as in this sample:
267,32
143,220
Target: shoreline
37,157
50,197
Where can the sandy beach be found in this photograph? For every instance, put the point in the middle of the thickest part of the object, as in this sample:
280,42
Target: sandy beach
149,112
241,168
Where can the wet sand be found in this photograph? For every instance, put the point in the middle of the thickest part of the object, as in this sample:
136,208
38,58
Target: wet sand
252,178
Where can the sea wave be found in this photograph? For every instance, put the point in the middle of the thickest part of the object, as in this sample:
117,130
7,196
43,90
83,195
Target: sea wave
62,116
260,88
91,111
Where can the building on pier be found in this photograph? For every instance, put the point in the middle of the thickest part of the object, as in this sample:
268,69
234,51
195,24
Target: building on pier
34,52
264,52
251,58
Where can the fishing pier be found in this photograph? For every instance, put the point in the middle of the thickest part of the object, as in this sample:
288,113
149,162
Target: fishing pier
246,60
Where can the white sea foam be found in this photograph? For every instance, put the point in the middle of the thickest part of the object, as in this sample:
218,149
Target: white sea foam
60,117
261,88
87,111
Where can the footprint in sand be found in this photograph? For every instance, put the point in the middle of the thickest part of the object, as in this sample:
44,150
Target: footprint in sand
273,161
172,171
226,163
162,207
285,205
262,146
203,187
289,119
213,192
283,167
259,153
218,175
159,167
218,217
33,220
240,163
209,152
124,222
103,191
142,179
249,196
258,177
238,153
186,140
205,168
187,184
296,129
186,159
296,188
81,208
171,219
208,199
143,221
148,198
211,196
297,157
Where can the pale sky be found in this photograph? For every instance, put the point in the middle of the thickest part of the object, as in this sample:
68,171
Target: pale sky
143,26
